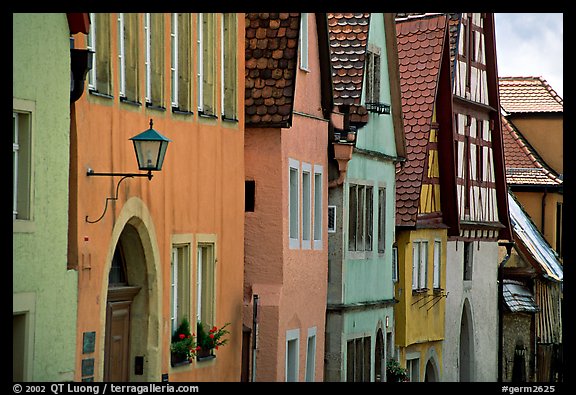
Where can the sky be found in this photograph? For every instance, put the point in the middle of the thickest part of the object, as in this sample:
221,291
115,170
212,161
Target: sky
531,45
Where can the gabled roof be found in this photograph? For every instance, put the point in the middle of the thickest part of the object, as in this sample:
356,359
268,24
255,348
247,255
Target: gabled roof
271,59
528,95
532,244
523,164
420,49
348,33
518,298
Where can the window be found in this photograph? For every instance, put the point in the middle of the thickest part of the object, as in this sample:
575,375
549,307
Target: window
331,219
21,166
303,44
437,264
360,221
419,265
358,359
294,203
395,264
413,367
229,66
181,58
468,257
179,285
154,58
373,75
206,64
249,195
479,151
292,357
381,220
306,205
128,56
205,284
98,40
318,211
311,355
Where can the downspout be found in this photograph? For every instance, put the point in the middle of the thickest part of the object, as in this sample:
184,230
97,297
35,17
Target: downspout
508,245
343,144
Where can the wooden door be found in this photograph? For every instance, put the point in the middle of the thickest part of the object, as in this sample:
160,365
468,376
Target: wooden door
117,352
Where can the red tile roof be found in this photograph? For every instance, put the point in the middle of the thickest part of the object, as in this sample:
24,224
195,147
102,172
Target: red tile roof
348,34
420,46
523,165
528,95
271,58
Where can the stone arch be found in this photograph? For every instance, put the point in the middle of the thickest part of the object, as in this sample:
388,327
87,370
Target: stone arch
466,344
134,230
431,371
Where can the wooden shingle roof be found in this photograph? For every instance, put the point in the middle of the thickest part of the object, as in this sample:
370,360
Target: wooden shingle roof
271,59
523,164
420,49
528,95
348,34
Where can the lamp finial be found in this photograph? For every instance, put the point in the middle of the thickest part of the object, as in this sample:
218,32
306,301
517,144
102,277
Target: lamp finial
151,123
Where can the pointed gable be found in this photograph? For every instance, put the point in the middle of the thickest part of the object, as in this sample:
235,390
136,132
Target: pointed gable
348,34
271,59
420,49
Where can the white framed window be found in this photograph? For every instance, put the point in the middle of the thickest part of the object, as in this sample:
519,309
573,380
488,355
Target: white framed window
395,264
381,219
331,219
311,355
294,202
207,66
21,166
205,283
91,45
148,56
413,367
229,66
419,264
174,44
292,354
437,264
200,60
121,55
306,204
360,217
303,45
318,206
180,289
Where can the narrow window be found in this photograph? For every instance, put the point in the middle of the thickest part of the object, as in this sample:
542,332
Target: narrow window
360,224
395,264
331,219
413,367
358,356
303,47
147,57
381,220
249,195
318,210
206,64
294,203
306,205
292,354
91,46
180,285
373,75
468,256
369,217
174,60
182,63
98,40
21,166
352,216
415,264
311,355
128,39
154,58
437,264
229,66
205,284
121,55
423,273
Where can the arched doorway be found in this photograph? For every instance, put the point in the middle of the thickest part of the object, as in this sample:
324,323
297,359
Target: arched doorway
379,362
126,329
430,372
466,343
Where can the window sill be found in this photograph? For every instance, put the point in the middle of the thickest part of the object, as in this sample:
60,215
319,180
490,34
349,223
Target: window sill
206,358
94,92
419,291
207,115
130,102
226,119
177,111
155,107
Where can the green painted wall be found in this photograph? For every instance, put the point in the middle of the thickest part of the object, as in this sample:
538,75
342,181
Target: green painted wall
43,288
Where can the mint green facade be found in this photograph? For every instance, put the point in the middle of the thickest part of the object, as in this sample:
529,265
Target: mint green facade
361,289
44,290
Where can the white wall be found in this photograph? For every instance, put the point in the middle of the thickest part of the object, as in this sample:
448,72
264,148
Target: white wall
482,294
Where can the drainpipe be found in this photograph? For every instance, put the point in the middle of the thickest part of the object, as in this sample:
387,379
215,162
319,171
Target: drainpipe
508,245
344,141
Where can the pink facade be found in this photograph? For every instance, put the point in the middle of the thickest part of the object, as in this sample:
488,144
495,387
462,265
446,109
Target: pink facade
289,274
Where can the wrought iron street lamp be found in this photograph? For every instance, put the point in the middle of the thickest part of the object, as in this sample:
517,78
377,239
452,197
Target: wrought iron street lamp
150,148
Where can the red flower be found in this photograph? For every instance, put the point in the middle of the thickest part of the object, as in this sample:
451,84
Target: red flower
211,336
216,347
214,329
181,336
198,348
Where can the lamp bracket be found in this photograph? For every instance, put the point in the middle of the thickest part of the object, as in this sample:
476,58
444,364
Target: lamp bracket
124,176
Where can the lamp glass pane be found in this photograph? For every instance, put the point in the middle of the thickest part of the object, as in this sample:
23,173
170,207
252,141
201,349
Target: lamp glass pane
147,154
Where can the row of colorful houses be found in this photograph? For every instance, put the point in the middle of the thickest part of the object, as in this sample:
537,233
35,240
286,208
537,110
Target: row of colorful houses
331,199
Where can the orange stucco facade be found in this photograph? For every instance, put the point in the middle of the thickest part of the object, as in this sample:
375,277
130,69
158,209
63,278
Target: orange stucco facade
289,277
197,197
